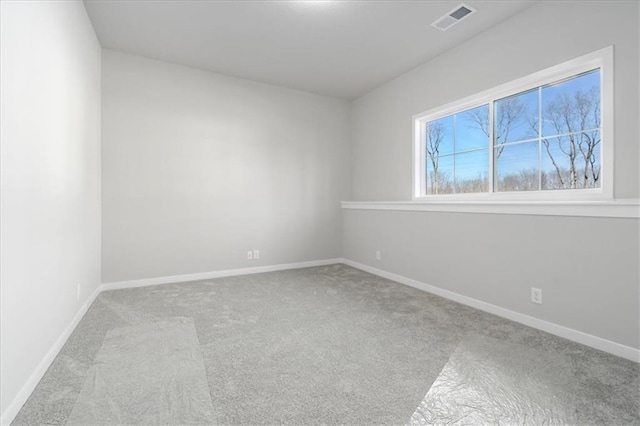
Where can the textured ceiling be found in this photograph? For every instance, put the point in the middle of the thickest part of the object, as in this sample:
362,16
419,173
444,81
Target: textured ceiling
337,48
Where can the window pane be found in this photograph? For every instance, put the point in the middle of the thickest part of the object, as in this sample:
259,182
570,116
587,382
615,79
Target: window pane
571,162
440,175
471,171
440,136
516,167
472,129
572,105
516,117
545,138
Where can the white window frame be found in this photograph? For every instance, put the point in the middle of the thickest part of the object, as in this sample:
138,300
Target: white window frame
602,59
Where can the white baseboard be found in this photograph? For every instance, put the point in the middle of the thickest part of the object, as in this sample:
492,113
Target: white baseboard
24,393
215,274
568,333
17,403
549,327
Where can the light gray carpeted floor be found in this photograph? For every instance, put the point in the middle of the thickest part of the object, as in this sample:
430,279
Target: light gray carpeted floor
330,345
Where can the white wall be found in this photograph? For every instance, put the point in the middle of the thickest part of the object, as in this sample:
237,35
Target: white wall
544,35
198,168
587,268
50,183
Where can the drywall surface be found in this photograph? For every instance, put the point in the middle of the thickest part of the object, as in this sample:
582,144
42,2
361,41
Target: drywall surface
587,267
50,181
198,168
544,35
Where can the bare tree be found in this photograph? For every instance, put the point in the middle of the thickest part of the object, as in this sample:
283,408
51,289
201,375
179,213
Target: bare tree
474,184
435,136
523,180
576,117
509,112
573,151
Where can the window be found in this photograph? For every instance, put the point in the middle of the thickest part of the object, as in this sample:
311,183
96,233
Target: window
547,136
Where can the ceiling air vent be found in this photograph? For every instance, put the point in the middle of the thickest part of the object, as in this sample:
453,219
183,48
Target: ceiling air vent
453,17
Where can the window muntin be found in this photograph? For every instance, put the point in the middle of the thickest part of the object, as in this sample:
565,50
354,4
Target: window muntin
544,140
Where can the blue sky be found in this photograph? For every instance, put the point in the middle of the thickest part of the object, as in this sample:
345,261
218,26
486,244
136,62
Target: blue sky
463,134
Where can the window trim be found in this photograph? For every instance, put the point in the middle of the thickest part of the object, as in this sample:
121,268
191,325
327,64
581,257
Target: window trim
602,59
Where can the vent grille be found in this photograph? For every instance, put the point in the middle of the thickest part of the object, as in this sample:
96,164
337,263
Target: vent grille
453,17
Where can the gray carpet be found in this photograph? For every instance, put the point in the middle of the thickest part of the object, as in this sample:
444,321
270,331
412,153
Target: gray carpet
331,345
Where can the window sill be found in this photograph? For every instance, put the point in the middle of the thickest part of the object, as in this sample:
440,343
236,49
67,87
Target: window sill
623,208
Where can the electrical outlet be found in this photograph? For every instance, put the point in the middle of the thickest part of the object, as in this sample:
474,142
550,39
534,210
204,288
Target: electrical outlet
78,292
378,255
536,295
250,255
256,254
